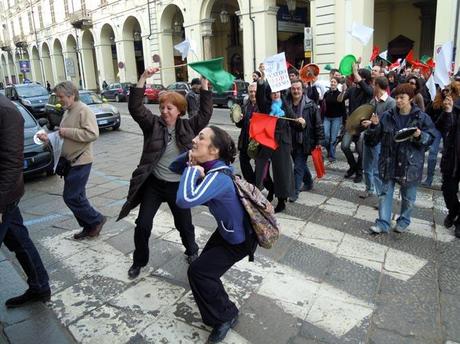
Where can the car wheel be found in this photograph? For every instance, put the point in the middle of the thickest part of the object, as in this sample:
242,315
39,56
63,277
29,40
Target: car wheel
146,100
117,98
116,127
230,103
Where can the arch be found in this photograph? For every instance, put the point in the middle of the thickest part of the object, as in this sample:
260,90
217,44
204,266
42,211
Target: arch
132,49
171,15
88,58
57,62
71,62
108,54
207,7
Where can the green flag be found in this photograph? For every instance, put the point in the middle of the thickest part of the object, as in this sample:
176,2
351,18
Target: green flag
424,59
213,70
327,67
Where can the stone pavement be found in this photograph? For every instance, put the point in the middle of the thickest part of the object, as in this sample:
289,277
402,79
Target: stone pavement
326,281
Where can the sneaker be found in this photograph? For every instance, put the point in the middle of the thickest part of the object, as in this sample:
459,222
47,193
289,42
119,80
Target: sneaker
427,182
350,172
374,229
366,194
28,297
307,187
399,229
331,159
294,198
81,235
219,332
449,220
280,206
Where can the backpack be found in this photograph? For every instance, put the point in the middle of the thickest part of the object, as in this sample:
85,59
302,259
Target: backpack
260,211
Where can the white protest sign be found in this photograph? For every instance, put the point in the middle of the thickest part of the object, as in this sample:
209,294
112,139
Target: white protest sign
276,72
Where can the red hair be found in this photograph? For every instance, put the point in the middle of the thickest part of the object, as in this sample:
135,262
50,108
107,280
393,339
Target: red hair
176,99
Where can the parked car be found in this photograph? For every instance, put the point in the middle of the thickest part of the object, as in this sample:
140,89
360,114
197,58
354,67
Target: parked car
32,96
107,115
180,87
117,91
152,93
235,95
38,158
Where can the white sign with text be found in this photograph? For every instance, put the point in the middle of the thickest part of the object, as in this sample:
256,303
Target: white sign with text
276,72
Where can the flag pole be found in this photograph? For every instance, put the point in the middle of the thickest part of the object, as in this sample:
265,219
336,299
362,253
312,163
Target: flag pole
175,66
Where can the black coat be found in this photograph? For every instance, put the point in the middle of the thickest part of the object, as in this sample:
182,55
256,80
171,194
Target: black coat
313,134
449,126
11,154
155,133
403,161
243,139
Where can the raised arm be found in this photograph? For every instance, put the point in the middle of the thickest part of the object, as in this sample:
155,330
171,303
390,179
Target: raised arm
202,118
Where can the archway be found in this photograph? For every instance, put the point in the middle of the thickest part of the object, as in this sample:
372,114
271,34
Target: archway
58,61
47,68
35,65
133,49
88,56
227,38
172,33
71,63
11,68
6,77
109,55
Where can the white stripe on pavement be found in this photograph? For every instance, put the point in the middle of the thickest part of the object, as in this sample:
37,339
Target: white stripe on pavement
395,263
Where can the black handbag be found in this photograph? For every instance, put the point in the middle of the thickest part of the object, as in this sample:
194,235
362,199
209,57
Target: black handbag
63,166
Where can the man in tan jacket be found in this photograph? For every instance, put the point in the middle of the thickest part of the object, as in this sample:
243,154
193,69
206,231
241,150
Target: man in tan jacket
79,129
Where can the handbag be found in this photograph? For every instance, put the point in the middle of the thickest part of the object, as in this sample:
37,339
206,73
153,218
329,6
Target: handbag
63,166
317,156
253,149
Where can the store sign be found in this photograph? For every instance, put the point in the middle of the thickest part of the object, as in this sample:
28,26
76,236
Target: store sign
308,39
24,66
291,22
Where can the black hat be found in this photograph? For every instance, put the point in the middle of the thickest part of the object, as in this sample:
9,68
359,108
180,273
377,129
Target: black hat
195,81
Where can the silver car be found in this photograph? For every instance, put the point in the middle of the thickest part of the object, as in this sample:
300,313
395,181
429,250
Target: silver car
107,116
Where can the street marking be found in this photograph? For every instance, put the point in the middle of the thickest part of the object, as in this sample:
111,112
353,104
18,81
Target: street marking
392,262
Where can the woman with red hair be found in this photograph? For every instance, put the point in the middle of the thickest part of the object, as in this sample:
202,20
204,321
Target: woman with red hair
152,182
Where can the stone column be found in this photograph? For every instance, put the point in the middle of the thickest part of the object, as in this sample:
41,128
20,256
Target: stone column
428,24
206,33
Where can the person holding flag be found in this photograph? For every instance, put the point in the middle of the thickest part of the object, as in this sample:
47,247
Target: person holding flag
152,182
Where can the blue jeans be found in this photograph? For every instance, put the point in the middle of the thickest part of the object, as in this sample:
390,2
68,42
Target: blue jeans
75,196
433,155
371,168
301,170
16,238
331,131
408,195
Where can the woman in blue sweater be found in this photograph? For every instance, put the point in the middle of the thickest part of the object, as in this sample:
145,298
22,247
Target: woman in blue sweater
207,180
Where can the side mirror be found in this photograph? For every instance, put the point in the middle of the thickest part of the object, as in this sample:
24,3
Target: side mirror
42,122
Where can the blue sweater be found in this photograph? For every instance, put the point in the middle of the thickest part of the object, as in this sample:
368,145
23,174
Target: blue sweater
217,191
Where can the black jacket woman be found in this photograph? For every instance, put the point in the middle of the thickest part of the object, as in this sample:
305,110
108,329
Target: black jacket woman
283,175
152,183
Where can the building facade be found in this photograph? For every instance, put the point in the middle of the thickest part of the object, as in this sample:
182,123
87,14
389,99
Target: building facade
89,42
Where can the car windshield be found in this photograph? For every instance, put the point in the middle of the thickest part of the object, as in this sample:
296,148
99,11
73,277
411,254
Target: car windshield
241,86
31,91
29,121
90,98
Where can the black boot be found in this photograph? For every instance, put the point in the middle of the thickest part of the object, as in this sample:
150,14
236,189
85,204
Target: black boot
350,172
281,205
219,332
28,297
449,220
134,271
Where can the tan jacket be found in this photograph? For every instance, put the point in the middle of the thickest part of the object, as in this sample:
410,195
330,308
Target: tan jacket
82,130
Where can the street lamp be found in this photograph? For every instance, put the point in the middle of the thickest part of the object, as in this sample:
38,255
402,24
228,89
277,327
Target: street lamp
224,17
291,5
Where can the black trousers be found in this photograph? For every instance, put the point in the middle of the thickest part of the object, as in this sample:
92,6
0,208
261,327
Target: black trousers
246,168
449,191
204,275
157,191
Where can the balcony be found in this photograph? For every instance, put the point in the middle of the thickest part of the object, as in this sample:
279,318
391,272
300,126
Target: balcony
81,20
5,45
20,41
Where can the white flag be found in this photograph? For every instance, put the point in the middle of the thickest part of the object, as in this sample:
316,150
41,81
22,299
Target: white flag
384,55
185,47
443,58
431,86
361,32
